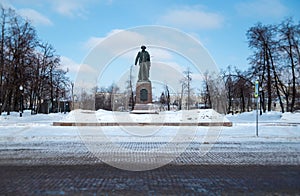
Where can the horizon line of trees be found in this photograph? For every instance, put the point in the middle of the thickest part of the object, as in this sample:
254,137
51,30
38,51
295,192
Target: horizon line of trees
28,62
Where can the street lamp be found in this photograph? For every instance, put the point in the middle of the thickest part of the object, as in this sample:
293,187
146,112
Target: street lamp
260,92
232,112
21,100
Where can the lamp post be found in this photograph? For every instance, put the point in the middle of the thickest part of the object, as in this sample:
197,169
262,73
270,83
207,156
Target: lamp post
21,100
72,85
256,95
232,112
260,92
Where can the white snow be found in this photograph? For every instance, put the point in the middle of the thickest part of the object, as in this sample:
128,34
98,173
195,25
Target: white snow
273,125
278,133
207,115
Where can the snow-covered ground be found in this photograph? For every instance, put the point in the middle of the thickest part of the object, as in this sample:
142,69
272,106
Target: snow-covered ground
32,139
272,125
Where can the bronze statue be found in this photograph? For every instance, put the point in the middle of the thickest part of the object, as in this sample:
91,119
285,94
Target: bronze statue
144,62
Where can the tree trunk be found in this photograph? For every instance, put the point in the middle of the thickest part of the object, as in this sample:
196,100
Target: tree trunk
269,82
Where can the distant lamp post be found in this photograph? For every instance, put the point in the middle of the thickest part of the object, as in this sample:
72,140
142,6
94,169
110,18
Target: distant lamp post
21,100
232,112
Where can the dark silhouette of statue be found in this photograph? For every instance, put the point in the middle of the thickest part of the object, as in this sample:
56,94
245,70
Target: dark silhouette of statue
144,62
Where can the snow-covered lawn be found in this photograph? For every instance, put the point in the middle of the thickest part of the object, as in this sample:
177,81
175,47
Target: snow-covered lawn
32,139
272,125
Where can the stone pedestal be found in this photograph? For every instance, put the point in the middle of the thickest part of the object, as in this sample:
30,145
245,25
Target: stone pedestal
144,99
143,92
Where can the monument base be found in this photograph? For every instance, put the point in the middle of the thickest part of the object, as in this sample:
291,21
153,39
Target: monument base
143,92
144,109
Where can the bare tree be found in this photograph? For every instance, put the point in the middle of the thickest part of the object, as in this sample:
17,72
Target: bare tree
215,89
25,61
167,97
19,46
2,55
262,40
109,98
130,91
276,62
206,96
289,46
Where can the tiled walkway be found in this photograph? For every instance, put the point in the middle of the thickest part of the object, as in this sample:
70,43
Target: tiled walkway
101,179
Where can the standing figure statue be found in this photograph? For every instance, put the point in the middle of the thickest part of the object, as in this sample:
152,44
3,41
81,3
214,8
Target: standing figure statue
144,62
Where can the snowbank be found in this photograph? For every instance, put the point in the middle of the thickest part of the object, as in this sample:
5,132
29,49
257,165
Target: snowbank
272,117
291,117
207,115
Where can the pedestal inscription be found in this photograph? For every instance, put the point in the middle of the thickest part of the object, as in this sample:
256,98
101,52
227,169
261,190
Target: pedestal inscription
143,92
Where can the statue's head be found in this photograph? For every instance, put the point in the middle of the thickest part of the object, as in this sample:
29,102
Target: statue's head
143,47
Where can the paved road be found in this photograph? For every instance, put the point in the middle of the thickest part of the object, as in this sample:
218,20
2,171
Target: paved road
167,180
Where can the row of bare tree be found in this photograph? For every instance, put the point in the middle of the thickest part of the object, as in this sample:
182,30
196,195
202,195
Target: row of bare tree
275,63
29,68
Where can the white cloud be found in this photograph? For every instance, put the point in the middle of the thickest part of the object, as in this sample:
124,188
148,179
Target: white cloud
71,8
158,54
68,8
94,41
83,75
35,17
120,46
166,73
30,14
192,17
73,67
69,64
262,8
116,44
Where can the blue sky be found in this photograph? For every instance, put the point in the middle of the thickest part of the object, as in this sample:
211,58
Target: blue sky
74,27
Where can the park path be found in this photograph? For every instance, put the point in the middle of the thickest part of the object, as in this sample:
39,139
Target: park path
101,179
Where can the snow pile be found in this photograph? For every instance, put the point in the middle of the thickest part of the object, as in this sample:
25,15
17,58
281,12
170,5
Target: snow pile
29,119
251,117
291,117
271,117
207,115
